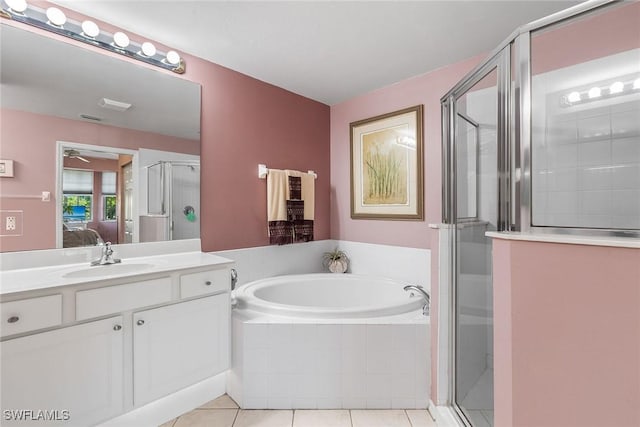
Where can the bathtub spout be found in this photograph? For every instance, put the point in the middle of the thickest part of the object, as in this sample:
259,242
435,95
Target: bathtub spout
423,294
234,278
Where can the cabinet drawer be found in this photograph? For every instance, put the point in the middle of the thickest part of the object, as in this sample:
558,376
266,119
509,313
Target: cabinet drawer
30,314
205,282
115,299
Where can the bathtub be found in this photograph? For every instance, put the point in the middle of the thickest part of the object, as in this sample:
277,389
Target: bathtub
329,341
327,296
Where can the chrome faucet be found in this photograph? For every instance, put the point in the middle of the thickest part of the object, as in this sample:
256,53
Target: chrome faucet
423,293
107,256
234,278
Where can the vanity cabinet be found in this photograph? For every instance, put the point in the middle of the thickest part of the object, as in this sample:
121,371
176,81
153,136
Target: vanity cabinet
30,314
95,350
177,345
75,373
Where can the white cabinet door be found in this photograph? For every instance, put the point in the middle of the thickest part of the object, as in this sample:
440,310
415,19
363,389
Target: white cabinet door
178,345
70,376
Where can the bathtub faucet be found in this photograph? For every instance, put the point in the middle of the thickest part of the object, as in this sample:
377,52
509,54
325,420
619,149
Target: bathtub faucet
234,278
423,293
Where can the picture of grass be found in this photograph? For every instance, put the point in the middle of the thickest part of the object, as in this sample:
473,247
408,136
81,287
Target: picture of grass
387,177
385,168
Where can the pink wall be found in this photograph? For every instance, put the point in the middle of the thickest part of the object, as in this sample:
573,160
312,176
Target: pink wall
597,35
567,335
30,141
247,122
426,89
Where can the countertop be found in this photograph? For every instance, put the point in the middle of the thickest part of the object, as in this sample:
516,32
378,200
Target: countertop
31,279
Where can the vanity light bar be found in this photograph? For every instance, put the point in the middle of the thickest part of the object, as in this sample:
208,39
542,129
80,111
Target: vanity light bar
55,21
594,92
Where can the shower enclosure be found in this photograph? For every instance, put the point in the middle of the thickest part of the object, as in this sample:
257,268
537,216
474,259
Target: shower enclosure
543,137
173,202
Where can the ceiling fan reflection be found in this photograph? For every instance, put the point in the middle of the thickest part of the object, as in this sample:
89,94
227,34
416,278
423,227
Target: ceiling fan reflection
75,154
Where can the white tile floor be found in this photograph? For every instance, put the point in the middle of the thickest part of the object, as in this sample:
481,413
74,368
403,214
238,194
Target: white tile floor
224,412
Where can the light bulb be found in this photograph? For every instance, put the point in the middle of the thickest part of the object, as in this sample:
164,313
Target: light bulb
573,97
90,29
56,16
18,6
148,49
616,87
594,92
173,58
121,39
636,84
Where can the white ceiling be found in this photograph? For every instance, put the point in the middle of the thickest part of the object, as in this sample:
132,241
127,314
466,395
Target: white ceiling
329,51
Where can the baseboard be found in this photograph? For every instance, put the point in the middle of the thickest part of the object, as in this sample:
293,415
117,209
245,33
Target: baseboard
443,415
167,408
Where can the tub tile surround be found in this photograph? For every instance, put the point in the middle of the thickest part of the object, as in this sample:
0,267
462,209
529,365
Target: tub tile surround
373,364
368,363
267,261
401,263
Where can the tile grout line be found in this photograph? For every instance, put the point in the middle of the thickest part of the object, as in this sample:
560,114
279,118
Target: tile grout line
408,419
236,417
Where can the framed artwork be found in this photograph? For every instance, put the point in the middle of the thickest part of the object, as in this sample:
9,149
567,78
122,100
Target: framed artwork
387,166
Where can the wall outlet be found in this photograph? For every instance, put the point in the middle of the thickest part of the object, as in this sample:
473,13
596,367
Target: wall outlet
10,223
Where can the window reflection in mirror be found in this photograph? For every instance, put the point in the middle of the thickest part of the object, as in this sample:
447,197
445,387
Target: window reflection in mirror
95,195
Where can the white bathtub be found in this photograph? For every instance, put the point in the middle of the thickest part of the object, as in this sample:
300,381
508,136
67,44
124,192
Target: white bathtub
327,296
329,341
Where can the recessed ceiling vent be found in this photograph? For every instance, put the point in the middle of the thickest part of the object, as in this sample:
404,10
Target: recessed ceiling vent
114,105
93,118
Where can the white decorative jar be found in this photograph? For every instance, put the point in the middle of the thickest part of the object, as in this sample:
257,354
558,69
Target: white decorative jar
338,266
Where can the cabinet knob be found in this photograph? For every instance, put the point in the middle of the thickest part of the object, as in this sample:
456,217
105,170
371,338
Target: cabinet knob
13,319
208,283
117,327
140,322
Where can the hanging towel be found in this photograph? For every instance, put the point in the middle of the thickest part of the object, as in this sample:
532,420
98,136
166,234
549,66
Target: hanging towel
290,206
280,228
277,194
300,205
307,193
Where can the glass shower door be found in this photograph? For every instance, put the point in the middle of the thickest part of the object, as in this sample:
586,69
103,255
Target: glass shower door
476,202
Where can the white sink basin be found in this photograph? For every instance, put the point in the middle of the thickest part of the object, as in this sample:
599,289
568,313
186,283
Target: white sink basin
108,270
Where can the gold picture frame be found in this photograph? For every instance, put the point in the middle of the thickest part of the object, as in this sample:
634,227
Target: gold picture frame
387,166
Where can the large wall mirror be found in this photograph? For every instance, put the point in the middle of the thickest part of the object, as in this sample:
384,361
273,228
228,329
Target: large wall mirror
116,144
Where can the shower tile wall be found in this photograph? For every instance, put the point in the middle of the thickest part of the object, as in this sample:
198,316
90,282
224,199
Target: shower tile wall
586,168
